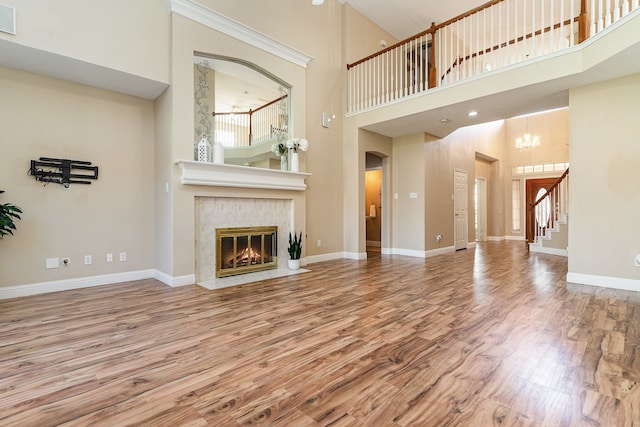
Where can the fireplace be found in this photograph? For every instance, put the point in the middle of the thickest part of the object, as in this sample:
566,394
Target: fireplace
245,250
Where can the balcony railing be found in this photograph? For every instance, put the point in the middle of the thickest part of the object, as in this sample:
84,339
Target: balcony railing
246,128
492,36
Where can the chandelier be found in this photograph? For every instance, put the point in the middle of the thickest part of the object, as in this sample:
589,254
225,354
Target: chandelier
526,141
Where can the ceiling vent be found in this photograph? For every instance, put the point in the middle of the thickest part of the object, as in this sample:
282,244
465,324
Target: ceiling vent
7,19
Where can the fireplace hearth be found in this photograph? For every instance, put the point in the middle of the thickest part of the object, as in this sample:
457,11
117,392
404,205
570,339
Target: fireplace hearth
242,250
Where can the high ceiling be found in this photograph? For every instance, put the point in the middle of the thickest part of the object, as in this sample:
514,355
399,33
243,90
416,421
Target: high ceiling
404,18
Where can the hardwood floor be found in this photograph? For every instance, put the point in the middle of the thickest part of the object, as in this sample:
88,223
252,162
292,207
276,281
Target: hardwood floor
492,336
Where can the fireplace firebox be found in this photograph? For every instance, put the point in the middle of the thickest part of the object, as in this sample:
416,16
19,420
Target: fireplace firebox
245,250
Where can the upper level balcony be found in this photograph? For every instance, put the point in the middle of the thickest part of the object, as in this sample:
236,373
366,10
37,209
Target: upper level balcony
497,37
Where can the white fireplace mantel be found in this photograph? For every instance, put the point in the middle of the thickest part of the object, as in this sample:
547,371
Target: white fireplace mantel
221,175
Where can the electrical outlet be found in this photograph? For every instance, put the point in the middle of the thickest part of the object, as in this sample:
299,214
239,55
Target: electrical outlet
319,242
88,260
52,263
123,256
109,257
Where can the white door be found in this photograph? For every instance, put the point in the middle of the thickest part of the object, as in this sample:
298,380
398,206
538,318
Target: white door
481,209
460,202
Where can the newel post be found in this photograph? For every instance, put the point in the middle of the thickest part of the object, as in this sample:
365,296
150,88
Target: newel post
583,22
432,57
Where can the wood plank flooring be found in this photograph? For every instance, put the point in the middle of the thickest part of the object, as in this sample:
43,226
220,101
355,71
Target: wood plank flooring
486,337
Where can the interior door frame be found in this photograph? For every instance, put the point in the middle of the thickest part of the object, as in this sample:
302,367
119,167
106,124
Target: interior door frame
532,186
482,208
458,243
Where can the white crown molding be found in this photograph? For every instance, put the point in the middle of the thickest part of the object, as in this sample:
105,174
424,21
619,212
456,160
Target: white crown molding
216,21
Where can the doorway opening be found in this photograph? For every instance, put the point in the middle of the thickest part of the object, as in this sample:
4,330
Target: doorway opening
536,188
373,202
480,202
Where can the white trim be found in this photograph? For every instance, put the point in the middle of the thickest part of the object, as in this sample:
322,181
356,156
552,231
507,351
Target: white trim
501,238
219,22
604,281
355,255
440,251
546,250
174,282
323,257
408,252
221,175
69,284
471,245
91,281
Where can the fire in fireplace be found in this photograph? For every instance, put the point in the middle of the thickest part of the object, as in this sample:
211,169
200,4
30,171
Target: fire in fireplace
245,249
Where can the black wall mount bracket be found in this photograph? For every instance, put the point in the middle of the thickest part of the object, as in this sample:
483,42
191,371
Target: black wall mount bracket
63,171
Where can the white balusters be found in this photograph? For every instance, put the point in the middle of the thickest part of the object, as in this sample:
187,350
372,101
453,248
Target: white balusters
499,35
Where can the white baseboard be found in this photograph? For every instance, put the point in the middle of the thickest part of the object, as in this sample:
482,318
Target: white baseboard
321,258
440,251
604,281
408,252
550,251
174,282
354,255
69,284
501,238
91,281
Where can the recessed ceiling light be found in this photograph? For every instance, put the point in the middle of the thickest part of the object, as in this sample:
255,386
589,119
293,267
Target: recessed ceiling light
473,113
444,120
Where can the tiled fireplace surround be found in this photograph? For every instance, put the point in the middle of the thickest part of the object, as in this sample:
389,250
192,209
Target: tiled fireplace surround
219,212
242,197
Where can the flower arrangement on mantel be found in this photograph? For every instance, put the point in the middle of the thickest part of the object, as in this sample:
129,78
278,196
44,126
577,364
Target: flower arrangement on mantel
292,147
297,144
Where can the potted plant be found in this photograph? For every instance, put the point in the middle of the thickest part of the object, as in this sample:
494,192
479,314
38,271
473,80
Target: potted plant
8,213
295,250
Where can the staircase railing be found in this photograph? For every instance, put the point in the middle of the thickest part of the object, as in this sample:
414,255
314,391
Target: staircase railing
550,208
497,34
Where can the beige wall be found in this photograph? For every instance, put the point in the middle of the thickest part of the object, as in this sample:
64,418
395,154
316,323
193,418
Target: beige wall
408,177
604,232
44,117
129,36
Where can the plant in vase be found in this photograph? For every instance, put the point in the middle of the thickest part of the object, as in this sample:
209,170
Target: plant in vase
8,213
280,149
295,250
294,145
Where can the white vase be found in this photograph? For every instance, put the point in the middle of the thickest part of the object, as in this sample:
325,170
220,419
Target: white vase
283,163
294,162
294,264
218,153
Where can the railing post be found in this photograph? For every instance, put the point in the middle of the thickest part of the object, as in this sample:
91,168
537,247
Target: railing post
433,72
583,22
